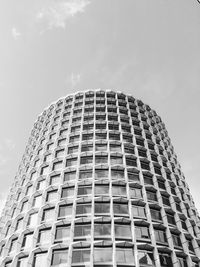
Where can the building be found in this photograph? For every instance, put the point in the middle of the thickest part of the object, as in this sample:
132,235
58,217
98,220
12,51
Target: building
99,185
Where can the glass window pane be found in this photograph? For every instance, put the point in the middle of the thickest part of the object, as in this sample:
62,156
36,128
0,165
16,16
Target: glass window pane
125,255
59,258
102,229
103,255
80,255
40,259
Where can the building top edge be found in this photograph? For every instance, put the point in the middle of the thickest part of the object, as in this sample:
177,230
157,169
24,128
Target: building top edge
85,91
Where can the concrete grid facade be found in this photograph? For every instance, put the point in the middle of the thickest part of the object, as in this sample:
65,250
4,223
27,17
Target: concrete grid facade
99,185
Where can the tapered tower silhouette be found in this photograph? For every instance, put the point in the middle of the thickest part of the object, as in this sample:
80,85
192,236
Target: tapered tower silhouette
99,185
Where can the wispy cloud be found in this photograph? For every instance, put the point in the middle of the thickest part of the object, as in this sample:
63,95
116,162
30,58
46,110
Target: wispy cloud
73,79
9,144
15,33
56,13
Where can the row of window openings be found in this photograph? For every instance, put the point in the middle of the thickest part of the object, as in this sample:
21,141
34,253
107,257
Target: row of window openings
101,255
135,122
102,135
104,173
99,159
101,231
100,208
103,147
104,189
115,148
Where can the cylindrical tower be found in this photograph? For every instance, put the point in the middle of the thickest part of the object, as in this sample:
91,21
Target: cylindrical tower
99,185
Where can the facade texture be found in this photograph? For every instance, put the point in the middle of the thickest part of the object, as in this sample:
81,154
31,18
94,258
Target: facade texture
99,185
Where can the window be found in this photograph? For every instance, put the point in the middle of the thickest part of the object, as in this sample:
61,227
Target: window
183,223
8,264
101,173
139,142
59,257
13,245
86,160
83,208
165,200
102,229
135,192
117,174
176,240
145,258
71,162
74,138
84,174
138,211
182,262
27,241
54,179
80,255
155,214
32,220
65,210
151,196
123,231
44,236
48,214
148,179
133,176
157,169
84,190
118,190
69,176
190,246
102,208
115,148
102,254
87,136
113,136
29,190
86,148
19,224
51,196
142,153
81,231
72,149
2,249
125,255
87,127
161,184
100,136
7,230
120,209
60,153
62,233
40,185
160,236
101,189
145,165
170,219
22,262
67,192
142,232
40,259
44,170
37,201
131,161
165,260
101,159
114,160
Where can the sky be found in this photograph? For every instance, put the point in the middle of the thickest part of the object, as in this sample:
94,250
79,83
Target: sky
147,48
